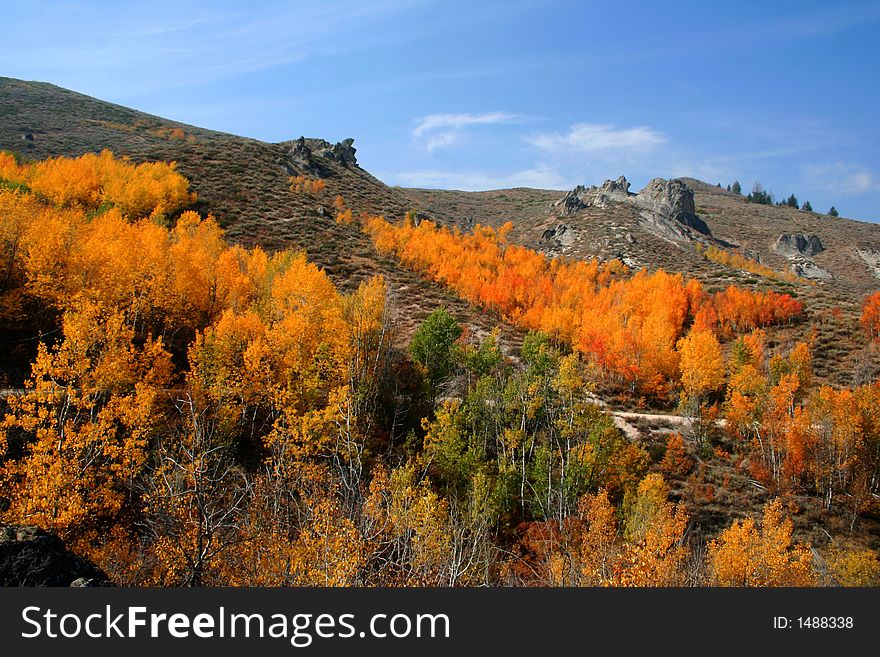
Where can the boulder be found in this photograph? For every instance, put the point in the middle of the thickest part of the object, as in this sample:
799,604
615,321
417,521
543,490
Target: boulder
671,201
30,556
562,235
808,269
794,244
872,259
344,152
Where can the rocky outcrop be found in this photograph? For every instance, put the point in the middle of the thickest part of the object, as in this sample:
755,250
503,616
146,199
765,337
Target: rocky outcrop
301,155
33,557
799,248
795,244
306,155
806,268
342,152
582,197
562,235
666,207
872,259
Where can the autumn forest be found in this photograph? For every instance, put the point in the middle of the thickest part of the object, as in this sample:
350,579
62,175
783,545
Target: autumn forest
182,410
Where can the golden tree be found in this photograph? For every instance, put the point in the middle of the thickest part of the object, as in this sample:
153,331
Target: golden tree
748,555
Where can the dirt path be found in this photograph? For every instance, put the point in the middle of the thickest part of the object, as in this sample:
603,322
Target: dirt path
623,420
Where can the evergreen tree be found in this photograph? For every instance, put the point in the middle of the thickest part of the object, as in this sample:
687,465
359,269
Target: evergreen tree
807,206
833,212
736,188
792,202
760,195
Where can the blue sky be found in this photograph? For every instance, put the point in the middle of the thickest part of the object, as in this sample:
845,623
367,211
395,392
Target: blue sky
480,95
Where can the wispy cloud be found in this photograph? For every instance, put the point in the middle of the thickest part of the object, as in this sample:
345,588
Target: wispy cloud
437,130
539,177
598,138
842,178
438,121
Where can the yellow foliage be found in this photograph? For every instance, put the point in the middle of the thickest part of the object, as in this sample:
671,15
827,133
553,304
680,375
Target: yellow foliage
655,528
93,406
702,364
142,190
737,261
849,566
748,555
304,184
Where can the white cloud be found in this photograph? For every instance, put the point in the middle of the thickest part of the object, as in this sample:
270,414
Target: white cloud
439,130
436,121
598,138
842,178
539,177
441,139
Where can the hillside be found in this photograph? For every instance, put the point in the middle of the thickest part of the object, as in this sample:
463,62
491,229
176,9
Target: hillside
242,182
832,282
494,427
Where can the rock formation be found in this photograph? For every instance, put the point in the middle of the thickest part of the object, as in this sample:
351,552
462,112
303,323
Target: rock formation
301,155
794,244
33,557
806,268
562,235
342,152
306,155
584,197
872,259
666,207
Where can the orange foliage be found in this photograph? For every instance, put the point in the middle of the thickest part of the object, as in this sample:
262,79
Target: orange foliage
676,462
313,186
871,316
823,440
628,326
63,258
91,409
9,169
737,309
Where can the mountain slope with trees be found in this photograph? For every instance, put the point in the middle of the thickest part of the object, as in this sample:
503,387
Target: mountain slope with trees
308,378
